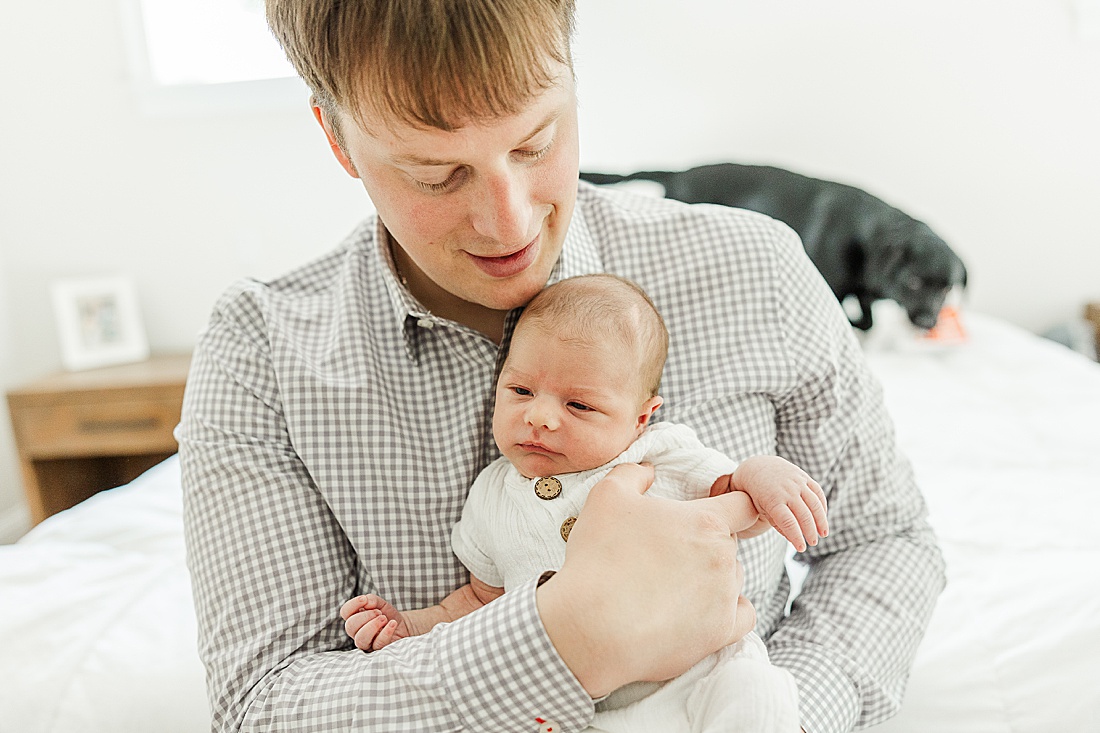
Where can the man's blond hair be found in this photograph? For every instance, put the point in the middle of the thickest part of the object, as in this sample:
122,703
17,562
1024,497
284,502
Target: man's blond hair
429,63
594,308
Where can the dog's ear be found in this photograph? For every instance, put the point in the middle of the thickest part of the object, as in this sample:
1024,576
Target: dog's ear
886,252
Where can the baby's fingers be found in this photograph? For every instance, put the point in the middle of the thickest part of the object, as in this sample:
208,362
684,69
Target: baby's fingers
359,603
815,487
359,619
366,634
352,607
386,634
815,500
810,514
788,525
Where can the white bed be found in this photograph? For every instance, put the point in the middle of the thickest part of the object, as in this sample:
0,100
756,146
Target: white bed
97,629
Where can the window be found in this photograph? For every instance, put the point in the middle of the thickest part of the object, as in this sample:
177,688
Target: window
197,56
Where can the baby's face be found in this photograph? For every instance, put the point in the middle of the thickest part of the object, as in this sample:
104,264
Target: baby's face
567,406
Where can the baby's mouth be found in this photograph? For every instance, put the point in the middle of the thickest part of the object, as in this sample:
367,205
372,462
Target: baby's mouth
536,448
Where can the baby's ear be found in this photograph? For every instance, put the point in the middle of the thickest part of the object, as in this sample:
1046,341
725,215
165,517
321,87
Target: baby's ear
648,408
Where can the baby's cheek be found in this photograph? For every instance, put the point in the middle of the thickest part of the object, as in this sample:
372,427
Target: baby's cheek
594,448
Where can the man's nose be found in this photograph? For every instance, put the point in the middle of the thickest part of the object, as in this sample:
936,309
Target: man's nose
502,211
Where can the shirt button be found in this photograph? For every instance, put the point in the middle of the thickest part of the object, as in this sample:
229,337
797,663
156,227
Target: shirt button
426,323
548,488
567,527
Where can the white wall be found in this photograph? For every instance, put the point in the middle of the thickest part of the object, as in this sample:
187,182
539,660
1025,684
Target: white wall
185,205
982,117
13,516
979,117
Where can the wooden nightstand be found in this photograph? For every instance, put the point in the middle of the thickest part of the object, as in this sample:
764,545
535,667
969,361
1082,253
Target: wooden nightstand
1092,314
78,433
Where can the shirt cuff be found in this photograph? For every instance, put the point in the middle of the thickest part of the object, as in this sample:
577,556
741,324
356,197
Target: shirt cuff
828,701
503,671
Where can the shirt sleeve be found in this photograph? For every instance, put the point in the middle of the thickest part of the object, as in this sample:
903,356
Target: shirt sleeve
270,566
853,632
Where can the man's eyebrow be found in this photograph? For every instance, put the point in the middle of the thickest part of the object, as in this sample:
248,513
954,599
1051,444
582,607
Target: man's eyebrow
419,161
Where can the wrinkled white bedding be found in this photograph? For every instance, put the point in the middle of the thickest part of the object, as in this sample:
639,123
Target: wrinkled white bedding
1004,434
97,628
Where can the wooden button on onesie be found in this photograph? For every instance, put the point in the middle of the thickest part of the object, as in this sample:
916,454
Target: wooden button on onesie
548,488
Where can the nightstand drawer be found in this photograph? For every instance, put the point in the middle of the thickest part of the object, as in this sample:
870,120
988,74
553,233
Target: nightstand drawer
103,428
82,432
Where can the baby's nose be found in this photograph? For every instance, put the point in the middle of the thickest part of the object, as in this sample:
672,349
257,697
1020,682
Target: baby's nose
541,414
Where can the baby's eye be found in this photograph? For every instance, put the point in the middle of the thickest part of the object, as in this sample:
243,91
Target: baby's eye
579,407
521,391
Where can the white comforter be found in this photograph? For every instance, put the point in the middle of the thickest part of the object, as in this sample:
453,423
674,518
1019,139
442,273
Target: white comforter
97,629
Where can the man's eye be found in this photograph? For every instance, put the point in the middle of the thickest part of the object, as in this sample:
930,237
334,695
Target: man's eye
433,187
451,181
536,154
579,407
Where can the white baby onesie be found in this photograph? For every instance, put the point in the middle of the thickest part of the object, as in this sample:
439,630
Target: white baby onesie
514,528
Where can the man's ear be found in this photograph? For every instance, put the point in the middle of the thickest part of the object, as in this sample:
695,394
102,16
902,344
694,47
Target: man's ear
328,125
648,408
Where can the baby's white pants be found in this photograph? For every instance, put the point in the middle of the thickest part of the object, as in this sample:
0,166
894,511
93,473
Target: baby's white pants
734,690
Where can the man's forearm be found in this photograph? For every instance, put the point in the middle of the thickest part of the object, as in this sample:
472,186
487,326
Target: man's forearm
881,613
492,670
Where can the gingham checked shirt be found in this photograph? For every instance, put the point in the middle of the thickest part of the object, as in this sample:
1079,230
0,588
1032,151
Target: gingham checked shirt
332,427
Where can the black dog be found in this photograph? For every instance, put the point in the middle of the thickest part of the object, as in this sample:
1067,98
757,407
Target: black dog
862,246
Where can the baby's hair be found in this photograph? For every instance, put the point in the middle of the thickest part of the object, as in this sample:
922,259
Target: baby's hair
595,307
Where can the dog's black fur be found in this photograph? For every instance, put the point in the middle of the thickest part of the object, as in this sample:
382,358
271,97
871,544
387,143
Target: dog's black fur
862,246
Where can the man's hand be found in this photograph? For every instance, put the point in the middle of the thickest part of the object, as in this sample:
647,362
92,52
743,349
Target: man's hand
649,586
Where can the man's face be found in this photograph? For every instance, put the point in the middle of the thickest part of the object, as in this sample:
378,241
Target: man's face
564,406
479,214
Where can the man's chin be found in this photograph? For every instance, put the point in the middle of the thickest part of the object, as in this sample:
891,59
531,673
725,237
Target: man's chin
504,296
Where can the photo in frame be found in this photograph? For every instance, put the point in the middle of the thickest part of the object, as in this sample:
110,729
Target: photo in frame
99,322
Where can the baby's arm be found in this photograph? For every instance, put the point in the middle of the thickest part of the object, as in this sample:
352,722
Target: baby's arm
374,623
784,496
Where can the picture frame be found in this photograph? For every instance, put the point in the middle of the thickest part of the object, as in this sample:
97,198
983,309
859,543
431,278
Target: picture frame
99,322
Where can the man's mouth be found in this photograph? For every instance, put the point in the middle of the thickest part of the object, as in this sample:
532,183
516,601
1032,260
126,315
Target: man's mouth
510,264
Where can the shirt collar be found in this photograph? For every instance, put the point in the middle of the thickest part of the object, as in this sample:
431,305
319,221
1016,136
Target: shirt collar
403,302
410,316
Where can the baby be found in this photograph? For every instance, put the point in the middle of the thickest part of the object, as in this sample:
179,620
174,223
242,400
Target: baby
575,398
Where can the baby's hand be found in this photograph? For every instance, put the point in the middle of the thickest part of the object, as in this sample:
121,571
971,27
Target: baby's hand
786,496
372,622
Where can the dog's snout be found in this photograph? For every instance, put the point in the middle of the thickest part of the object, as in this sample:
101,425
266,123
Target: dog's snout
924,320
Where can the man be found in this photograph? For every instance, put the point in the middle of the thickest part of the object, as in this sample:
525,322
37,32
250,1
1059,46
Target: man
336,417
